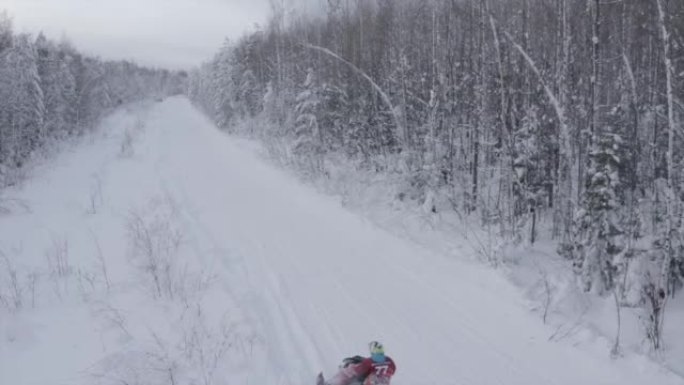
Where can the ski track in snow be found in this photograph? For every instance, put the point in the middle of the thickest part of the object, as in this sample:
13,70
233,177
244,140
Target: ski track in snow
318,282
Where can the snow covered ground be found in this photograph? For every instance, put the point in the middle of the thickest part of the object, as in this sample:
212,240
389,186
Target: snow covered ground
165,252
546,280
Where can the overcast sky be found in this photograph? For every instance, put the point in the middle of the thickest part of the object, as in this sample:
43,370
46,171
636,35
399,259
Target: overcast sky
166,33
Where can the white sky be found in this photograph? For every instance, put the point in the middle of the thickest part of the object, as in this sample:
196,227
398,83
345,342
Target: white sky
166,33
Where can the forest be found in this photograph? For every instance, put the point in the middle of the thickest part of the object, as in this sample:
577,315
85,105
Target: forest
50,92
506,112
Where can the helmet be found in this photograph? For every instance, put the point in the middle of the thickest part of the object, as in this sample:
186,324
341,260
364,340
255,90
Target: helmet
377,351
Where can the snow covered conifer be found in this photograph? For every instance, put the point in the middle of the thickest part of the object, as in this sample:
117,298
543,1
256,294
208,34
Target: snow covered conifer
599,233
528,181
307,132
527,151
58,86
270,103
23,106
335,104
223,86
249,96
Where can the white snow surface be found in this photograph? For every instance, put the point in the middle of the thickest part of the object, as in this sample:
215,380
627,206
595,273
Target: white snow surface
298,282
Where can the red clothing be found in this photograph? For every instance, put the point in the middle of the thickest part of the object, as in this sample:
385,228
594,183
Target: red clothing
370,371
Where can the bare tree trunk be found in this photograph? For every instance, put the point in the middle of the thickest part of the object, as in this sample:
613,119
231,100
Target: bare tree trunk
508,154
479,128
663,284
563,212
670,199
595,70
635,123
615,351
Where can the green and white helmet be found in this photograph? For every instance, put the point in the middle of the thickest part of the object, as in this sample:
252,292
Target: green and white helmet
377,351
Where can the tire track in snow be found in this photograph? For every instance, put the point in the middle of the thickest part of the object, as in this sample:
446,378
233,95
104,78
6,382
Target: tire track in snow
285,337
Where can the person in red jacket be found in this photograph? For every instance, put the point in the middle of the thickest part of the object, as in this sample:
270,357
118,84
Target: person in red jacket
377,369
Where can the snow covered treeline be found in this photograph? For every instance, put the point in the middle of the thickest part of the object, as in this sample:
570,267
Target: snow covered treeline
508,112
49,91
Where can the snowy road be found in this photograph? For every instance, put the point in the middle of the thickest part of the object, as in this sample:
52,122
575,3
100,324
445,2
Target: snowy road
319,282
322,282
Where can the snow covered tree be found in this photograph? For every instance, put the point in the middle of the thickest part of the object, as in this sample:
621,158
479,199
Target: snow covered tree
599,235
249,95
308,144
334,110
270,103
5,31
202,90
93,92
223,87
59,87
528,186
23,108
